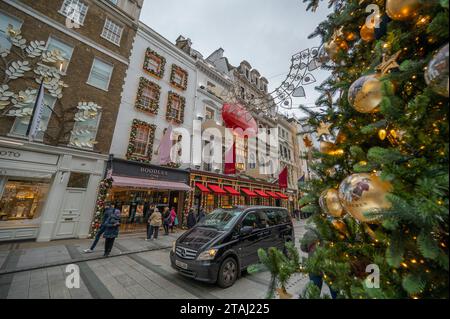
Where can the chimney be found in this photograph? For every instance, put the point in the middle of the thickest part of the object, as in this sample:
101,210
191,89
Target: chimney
184,44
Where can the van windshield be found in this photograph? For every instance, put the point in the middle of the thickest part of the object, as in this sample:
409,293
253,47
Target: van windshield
221,219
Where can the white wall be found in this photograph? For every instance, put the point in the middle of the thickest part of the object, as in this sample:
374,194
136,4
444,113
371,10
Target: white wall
147,38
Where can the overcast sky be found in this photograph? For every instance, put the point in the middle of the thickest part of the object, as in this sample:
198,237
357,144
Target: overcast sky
266,33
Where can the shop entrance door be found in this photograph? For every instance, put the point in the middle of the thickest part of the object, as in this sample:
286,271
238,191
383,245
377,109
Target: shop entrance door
69,216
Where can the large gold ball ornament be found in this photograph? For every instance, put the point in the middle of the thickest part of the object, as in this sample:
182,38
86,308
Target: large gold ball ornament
367,33
364,193
402,10
365,94
330,203
436,75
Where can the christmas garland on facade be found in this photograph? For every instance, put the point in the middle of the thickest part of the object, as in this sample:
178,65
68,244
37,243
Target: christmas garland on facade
169,117
104,187
176,69
154,106
148,55
131,147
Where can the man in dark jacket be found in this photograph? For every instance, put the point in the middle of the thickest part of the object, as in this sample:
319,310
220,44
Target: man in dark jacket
191,220
308,244
108,211
201,215
112,225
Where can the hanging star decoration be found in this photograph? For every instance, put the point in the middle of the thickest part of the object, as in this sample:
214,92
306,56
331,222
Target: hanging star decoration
389,63
307,141
323,129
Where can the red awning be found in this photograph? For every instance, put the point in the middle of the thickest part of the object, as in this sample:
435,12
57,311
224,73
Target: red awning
261,193
248,192
231,190
216,189
148,183
202,187
272,194
282,195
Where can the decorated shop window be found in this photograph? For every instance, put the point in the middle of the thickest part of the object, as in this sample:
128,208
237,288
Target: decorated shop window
175,108
154,63
179,77
148,96
141,141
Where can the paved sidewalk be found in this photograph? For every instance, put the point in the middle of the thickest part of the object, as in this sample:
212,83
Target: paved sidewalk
19,256
139,269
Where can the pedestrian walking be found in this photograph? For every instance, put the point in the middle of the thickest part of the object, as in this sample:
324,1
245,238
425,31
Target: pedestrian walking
201,215
112,231
166,220
155,222
191,219
308,244
108,211
173,219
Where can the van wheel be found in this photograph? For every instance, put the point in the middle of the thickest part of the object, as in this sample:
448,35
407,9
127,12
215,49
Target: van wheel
228,273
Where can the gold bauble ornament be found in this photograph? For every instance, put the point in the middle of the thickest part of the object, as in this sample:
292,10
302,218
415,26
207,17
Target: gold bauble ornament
365,94
334,47
367,33
330,203
436,75
382,134
330,149
341,138
340,226
402,10
364,193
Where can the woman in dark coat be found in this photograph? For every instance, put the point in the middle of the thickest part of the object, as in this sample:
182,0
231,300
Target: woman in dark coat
112,231
191,219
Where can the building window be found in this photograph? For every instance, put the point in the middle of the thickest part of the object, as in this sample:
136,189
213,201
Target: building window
76,10
242,93
78,180
140,147
209,113
247,73
100,74
148,96
154,63
179,77
112,32
7,22
85,129
23,199
65,50
175,108
20,125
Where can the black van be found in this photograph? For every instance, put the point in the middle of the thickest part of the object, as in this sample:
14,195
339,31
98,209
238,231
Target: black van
226,242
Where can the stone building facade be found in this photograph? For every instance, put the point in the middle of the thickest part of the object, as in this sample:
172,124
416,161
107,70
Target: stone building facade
80,50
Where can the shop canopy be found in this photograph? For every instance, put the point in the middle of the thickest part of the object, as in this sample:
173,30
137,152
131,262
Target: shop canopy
282,195
216,189
272,194
122,181
261,193
202,187
248,192
231,190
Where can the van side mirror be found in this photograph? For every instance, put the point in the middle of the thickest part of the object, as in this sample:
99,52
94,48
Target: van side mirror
246,230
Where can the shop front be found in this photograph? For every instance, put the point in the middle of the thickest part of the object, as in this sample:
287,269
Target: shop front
46,192
137,188
211,191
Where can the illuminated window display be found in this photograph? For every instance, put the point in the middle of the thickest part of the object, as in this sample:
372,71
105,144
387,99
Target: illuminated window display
21,200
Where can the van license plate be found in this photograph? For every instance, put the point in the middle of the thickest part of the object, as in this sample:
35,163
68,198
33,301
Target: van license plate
181,265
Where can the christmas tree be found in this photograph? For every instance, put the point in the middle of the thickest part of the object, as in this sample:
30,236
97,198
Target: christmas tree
379,201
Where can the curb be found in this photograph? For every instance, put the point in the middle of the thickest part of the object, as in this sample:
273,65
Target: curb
80,260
